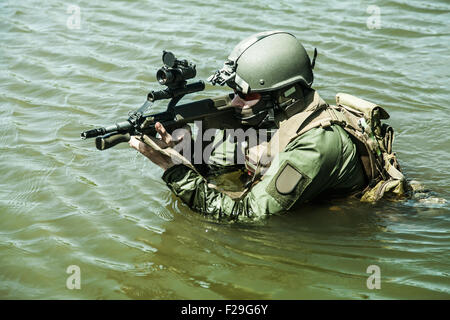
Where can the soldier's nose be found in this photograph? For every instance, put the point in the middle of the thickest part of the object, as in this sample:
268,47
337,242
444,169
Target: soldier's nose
244,104
237,102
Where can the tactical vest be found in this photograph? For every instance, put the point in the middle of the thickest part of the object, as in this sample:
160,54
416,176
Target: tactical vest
361,119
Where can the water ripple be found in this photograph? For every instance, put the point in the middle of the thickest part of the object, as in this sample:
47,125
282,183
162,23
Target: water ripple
63,202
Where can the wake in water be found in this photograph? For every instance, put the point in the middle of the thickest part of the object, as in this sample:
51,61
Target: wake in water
424,197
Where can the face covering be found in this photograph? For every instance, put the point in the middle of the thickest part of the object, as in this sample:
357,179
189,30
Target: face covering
251,109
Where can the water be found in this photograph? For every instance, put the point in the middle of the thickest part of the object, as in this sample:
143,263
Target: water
64,203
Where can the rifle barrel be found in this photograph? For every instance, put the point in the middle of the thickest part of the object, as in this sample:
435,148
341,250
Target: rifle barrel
123,126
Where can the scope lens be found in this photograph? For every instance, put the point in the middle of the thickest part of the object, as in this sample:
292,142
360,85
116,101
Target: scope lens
164,76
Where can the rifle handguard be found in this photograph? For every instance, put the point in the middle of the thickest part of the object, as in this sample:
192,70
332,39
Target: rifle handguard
110,140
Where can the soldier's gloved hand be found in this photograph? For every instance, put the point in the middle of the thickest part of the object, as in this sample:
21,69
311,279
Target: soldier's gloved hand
154,148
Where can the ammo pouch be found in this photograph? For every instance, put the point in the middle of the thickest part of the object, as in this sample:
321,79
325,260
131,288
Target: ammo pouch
374,144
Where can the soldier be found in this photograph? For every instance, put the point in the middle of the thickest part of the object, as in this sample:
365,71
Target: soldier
310,155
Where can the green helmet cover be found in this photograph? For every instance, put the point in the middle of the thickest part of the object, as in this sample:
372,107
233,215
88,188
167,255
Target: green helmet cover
266,61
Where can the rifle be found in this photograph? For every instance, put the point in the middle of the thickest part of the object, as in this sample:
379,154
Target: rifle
174,75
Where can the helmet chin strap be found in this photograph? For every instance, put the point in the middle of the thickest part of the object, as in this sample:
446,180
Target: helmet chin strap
254,120
269,120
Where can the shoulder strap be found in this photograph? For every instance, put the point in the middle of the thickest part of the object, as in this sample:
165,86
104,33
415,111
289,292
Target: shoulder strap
317,114
323,116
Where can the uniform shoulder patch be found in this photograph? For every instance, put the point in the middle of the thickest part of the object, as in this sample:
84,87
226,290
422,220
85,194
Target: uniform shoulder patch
288,185
288,179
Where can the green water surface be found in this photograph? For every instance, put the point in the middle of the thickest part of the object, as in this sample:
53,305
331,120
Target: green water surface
62,202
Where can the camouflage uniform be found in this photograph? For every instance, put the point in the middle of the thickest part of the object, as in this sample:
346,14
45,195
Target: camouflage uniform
324,151
320,162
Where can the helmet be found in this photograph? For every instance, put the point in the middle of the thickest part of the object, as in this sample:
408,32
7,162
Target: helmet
264,62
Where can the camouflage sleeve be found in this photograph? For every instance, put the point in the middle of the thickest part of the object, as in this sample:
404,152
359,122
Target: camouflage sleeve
223,155
317,161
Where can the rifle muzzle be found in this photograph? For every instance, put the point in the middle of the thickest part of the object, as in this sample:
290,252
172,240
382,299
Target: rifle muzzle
121,127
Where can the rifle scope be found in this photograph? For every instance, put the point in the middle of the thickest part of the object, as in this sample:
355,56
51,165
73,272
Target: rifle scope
174,72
